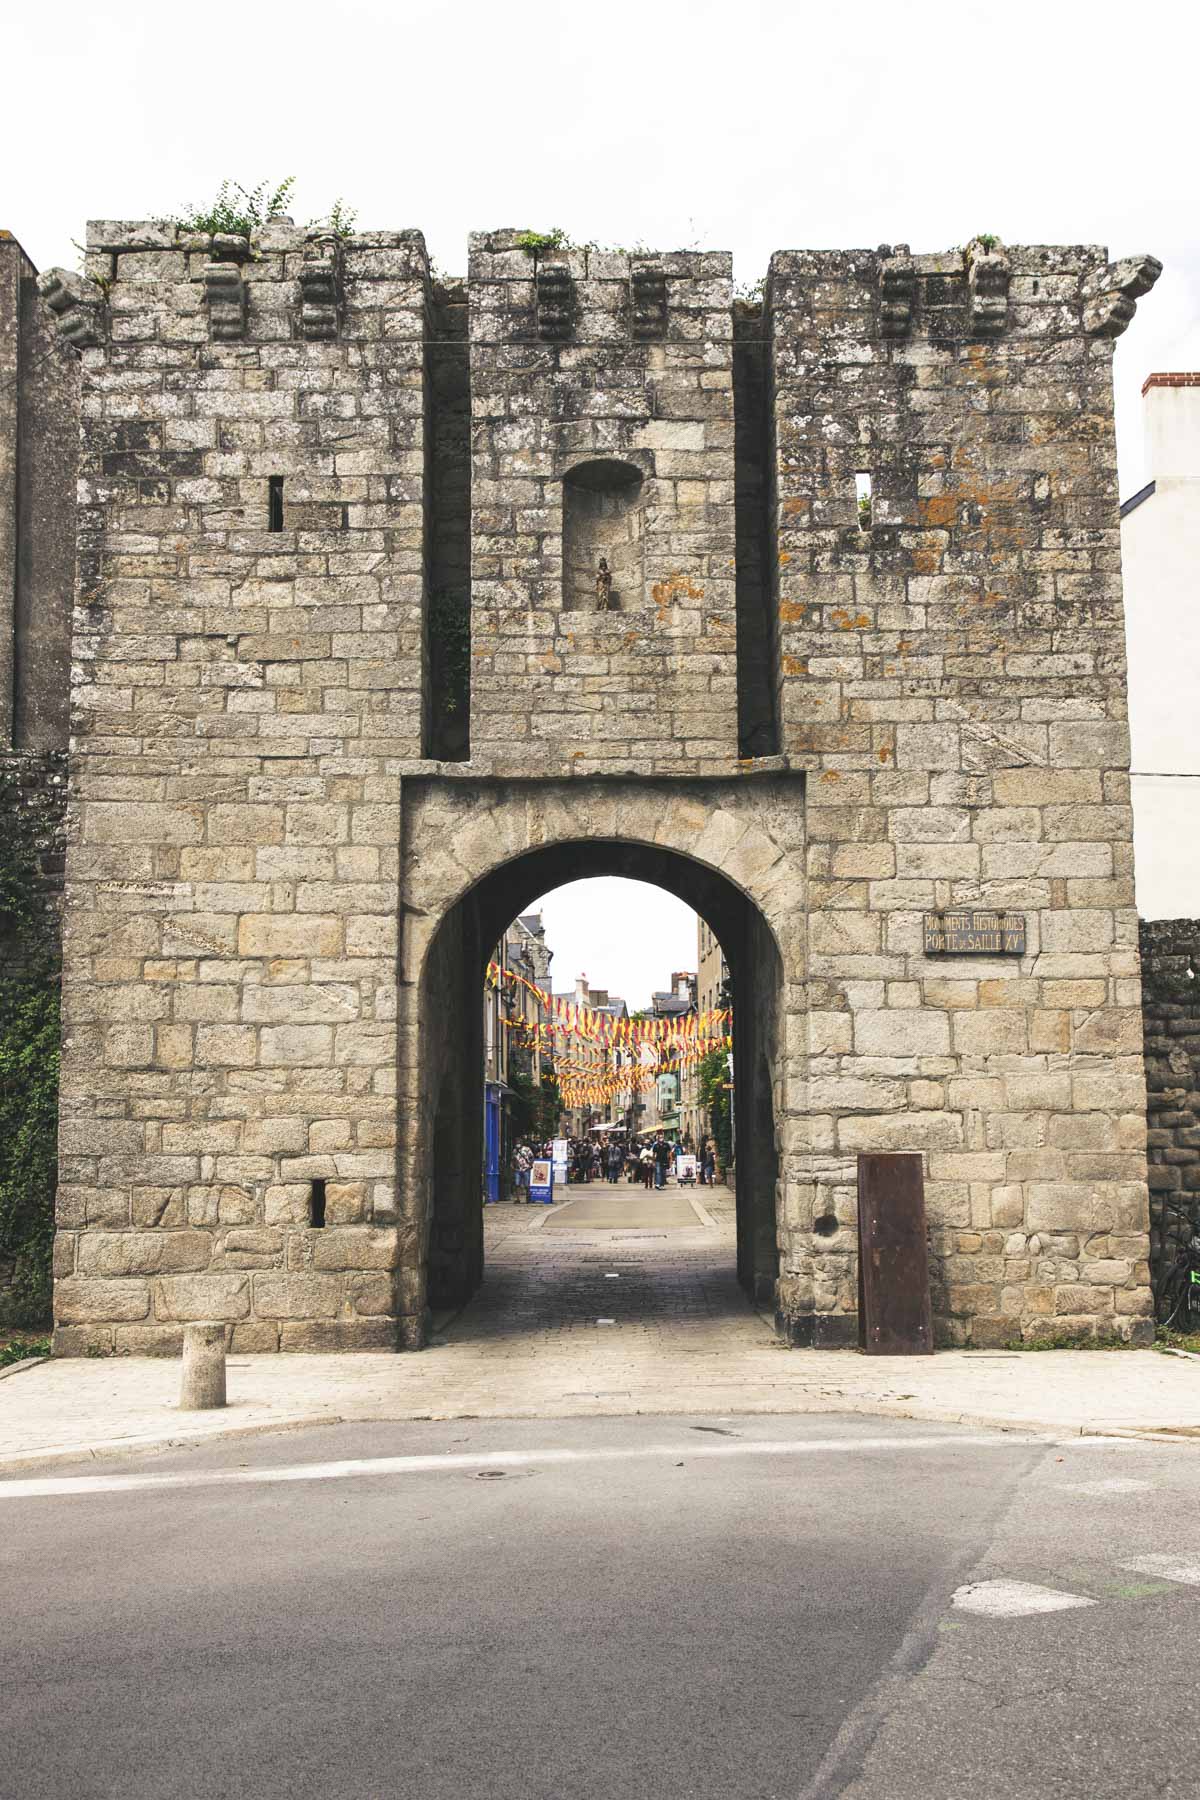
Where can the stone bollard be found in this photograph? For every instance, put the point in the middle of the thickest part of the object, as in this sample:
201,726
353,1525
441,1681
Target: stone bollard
203,1368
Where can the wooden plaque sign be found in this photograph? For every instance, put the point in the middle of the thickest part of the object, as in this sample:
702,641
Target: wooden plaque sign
972,931
894,1316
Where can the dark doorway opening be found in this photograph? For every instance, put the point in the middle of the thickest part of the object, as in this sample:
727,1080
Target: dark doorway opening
452,1050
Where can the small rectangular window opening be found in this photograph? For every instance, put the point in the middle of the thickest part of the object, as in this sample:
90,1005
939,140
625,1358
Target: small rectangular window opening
316,1204
275,503
863,497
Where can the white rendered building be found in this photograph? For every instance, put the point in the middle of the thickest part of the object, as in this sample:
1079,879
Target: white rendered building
1160,547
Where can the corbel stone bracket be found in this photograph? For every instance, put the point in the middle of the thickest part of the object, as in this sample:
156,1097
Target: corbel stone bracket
988,275
76,303
224,289
321,291
897,292
1110,297
555,303
648,289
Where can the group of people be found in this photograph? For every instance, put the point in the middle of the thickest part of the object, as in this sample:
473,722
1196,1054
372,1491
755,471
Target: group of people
649,1161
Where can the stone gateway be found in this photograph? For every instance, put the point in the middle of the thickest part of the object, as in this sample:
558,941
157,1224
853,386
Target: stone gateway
349,693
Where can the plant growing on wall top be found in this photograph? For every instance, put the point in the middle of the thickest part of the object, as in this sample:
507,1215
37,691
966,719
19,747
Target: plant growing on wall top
338,221
238,211
542,243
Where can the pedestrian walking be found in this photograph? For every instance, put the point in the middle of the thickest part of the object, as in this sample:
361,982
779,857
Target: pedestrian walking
524,1162
615,1158
646,1163
662,1160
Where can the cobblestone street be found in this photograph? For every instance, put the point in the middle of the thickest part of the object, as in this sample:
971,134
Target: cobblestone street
615,1291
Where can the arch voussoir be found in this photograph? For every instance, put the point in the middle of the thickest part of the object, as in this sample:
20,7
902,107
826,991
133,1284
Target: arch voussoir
479,856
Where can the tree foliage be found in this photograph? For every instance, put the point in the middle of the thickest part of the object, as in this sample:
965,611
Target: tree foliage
533,1110
716,1098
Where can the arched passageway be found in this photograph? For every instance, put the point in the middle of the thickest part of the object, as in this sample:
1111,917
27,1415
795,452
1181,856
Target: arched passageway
448,1244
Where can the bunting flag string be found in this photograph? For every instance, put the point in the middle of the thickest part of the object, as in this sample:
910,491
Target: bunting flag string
647,1048
588,1023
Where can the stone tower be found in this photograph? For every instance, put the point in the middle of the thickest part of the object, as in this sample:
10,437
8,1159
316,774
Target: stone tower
349,695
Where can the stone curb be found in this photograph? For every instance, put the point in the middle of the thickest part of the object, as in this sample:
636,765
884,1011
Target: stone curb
102,1449
30,1362
1046,1429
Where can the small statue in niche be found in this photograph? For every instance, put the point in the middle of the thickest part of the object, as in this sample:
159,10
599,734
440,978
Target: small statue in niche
603,587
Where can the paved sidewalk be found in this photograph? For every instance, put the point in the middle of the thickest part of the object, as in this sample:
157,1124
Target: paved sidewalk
579,1323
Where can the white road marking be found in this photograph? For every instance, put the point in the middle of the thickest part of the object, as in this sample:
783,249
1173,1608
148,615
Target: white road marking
47,1487
1167,1565
1112,1484
1014,1599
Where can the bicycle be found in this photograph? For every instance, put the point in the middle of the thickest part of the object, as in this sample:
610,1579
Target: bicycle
1179,1299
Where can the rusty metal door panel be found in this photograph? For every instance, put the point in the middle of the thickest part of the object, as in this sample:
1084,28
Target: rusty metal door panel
894,1317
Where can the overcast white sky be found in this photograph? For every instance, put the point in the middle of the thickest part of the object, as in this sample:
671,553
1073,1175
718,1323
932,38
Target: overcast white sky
623,935
751,126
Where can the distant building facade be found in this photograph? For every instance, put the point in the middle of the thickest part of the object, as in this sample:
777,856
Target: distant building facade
589,1061
1160,551
515,1020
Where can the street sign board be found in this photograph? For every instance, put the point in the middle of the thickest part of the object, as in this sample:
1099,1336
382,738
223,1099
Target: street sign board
541,1182
974,931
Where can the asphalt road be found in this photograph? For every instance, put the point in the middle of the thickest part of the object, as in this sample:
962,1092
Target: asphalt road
748,1608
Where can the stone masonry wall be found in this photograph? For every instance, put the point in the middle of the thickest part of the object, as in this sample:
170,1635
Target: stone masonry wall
1171,1019
256,690
652,685
243,693
39,434
954,676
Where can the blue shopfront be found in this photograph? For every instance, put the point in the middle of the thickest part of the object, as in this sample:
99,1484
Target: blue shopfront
492,1140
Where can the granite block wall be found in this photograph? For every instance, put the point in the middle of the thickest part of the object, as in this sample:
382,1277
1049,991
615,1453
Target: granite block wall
921,699
952,673
249,648
594,373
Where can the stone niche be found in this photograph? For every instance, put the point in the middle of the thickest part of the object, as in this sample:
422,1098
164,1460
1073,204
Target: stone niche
603,517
